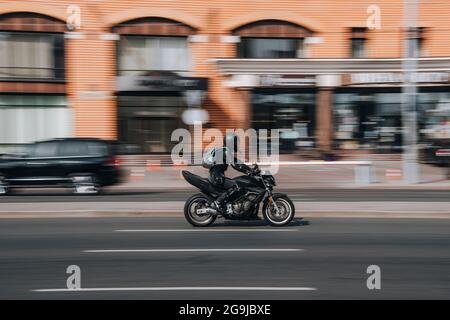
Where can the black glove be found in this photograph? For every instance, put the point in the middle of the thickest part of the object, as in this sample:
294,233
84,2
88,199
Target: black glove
255,170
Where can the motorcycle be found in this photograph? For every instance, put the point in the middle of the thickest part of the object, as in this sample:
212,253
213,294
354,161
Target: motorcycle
277,210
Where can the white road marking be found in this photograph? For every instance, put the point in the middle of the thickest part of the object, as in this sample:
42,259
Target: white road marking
181,288
191,250
207,230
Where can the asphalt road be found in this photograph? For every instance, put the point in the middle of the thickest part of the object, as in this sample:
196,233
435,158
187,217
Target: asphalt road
316,259
327,195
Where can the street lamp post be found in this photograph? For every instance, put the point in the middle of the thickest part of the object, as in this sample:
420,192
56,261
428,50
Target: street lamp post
409,93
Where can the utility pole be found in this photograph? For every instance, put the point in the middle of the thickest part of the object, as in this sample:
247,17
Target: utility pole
409,93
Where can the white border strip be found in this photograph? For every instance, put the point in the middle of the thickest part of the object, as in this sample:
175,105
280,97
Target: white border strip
207,230
190,250
181,288
314,163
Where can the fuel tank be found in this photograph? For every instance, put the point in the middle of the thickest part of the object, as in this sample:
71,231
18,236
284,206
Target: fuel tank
248,182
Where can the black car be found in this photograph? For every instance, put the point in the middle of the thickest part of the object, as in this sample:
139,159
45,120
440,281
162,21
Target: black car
84,164
437,152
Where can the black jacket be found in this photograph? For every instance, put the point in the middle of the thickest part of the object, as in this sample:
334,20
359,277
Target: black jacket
217,172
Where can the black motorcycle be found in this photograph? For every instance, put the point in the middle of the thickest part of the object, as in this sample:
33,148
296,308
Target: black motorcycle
278,210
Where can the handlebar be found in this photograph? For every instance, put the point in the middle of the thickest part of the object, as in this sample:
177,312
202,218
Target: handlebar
255,170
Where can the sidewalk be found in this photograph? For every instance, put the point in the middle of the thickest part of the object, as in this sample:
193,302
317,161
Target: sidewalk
364,209
386,174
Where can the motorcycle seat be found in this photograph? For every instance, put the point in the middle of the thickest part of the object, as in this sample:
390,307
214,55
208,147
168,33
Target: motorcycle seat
201,183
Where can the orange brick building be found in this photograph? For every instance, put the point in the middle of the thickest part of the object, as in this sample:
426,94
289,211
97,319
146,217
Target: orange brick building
311,68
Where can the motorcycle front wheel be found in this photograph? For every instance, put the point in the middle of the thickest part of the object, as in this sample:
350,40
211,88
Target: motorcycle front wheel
283,216
195,202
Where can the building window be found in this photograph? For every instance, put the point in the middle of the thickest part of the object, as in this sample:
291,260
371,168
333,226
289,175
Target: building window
358,48
271,39
31,55
270,48
291,111
358,43
368,120
139,54
146,122
417,35
29,118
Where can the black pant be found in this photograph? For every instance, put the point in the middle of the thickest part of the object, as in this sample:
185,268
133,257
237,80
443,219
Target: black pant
232,189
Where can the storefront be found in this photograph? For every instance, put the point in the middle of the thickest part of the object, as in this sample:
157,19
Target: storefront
292,111
368,119
154,85
368,110
434,108
150,108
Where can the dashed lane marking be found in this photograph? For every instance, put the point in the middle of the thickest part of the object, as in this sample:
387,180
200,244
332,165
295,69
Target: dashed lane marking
194,250
209,230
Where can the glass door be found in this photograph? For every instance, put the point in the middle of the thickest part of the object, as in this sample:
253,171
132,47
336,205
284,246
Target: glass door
152,135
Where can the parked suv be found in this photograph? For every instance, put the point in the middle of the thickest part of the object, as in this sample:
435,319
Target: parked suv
83,164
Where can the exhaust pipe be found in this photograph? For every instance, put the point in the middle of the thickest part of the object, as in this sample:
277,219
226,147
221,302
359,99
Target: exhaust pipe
206,211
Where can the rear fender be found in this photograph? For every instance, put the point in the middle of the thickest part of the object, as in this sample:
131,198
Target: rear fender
208,196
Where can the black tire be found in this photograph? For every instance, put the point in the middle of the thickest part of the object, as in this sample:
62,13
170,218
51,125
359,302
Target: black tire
283,202
4,188
88,182
191,217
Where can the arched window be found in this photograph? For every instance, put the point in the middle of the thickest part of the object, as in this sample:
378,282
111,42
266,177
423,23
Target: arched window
271,39
154,26
31,46
149,44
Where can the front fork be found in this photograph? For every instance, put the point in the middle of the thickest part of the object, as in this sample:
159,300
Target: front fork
269,196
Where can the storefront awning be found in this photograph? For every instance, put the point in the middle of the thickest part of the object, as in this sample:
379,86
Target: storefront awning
160,81
232,66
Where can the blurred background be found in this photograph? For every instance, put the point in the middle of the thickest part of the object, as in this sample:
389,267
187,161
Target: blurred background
331,75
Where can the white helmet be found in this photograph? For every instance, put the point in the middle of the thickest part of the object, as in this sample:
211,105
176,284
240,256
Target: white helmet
231,141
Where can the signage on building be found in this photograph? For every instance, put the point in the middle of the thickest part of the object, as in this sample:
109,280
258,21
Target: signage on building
382,78
287,81
160,81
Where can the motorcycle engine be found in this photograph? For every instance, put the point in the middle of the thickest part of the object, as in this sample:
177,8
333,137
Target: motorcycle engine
243,204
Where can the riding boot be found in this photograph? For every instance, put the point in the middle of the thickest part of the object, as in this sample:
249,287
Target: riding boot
226,198
219,207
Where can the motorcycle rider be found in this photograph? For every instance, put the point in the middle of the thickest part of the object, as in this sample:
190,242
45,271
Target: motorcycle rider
218,160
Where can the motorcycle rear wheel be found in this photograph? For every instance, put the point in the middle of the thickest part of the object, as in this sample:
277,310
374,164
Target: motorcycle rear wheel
195,202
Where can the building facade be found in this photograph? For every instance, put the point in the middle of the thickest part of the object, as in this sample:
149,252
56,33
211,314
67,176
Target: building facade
327,73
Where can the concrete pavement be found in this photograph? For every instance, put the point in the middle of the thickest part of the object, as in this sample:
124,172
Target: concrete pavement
309,203
114,194
363,209
385,174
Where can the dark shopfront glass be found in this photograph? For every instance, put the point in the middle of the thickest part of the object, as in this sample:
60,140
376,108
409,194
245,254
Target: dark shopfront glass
293,112
146,123
434,108
372,120
270,48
